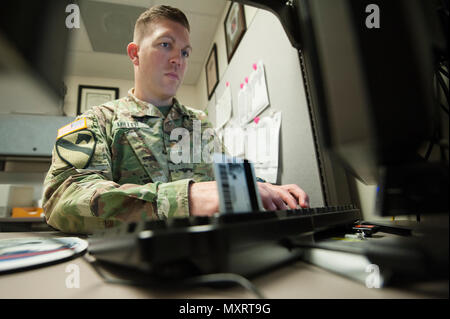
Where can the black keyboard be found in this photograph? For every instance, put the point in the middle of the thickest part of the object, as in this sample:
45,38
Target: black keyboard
244,243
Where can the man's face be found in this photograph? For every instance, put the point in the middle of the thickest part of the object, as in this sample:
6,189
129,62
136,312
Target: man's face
163,53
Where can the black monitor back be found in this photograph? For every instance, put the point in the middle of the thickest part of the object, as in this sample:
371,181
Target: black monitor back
372,82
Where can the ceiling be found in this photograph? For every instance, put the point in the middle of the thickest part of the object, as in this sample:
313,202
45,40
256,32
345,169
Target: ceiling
98,47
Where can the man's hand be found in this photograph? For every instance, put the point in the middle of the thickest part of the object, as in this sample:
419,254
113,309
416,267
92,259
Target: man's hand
204,197
275,197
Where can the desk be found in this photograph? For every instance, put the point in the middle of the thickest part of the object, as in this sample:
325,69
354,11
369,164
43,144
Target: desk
297,280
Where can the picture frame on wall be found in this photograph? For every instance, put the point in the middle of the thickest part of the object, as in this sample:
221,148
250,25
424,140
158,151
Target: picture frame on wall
235,28
89,96
212,72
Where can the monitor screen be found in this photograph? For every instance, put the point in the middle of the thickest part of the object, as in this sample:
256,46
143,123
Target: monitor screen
370,69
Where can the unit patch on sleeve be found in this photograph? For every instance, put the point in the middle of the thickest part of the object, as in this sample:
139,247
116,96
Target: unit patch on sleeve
76,148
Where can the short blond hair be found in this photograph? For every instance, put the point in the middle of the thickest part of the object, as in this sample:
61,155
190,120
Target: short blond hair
157,13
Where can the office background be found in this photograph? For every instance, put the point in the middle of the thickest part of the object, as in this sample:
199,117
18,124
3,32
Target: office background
264,40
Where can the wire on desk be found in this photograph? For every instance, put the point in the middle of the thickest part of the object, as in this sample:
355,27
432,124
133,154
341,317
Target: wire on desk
93,262
225,278
218,278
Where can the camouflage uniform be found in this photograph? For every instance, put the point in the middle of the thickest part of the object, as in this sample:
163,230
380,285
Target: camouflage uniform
116,166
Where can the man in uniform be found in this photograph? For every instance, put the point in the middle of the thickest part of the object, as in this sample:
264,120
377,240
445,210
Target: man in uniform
113,163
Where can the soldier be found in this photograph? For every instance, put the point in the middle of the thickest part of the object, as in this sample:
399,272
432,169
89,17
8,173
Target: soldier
113,165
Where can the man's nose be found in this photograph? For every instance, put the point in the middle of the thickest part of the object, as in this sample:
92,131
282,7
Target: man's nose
176,58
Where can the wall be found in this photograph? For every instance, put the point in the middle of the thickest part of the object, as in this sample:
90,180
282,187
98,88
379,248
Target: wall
219,40
186,94
266,40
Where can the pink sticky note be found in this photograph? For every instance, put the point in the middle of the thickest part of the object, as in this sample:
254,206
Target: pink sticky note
228,84
246,79
255,66
242,85
256,119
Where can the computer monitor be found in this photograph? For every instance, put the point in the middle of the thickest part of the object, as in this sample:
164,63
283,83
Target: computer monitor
369,71
372,64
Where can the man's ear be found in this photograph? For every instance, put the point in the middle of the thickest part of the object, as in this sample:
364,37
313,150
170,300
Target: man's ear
132,50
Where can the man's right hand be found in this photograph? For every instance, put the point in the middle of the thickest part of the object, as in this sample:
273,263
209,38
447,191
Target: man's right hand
203,199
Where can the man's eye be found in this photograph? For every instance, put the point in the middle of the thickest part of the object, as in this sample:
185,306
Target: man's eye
185,54
165,45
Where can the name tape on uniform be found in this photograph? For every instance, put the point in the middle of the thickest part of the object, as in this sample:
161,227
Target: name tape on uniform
72,127
130,125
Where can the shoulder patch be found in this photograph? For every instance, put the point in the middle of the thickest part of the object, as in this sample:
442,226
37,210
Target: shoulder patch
76,148
72,127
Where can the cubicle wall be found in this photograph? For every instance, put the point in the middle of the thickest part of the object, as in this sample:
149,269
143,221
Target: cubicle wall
266,40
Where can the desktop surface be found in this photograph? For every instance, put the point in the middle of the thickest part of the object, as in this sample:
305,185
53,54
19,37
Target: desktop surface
296,280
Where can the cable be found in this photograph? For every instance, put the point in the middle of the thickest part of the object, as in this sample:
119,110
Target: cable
192,281
224,278
443,86
93,262
442,70
430,148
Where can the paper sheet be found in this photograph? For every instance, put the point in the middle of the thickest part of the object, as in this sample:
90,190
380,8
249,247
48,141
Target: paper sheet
223,108
253,97
234,138
243,105
259,95
262,146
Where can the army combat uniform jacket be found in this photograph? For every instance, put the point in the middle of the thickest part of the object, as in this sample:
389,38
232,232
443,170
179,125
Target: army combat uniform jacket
117,163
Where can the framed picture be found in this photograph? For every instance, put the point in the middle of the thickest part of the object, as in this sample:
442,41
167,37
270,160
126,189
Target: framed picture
89,96
212,72
235,28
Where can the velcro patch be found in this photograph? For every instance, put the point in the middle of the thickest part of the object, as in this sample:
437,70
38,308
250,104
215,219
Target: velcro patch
77,148
72,127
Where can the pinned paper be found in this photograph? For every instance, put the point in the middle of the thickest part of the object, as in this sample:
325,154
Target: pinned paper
253,97
223,108
260,98
233,139
262,146
242,105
